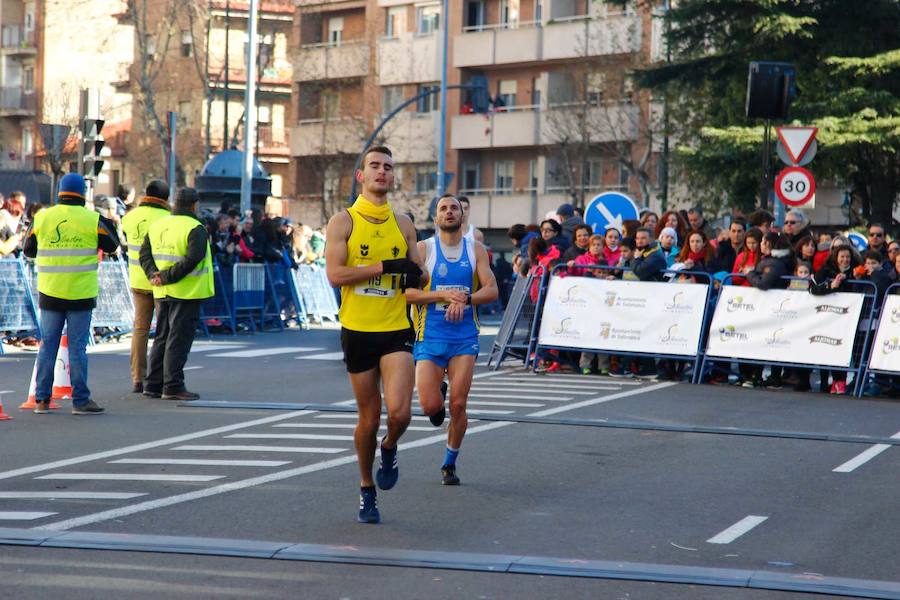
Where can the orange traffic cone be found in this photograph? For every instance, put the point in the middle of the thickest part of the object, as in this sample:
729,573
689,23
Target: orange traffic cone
3,415
30,402
62,382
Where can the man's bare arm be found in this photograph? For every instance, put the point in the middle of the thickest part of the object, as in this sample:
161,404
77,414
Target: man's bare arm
336,236
488,292
409,232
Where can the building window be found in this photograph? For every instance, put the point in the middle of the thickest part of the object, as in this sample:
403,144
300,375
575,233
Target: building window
392,98
426,178
471,177
396,22
28,79
331,105
503,176
335,30
506,92
475,15
593,176
184,113
429,103
27,142
263,114
509,13
187,44
532,175
428,19
594,85
624,176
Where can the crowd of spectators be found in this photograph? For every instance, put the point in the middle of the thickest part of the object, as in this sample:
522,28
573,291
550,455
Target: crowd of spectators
756,252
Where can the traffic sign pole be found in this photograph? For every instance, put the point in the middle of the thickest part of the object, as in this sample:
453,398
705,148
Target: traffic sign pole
795,186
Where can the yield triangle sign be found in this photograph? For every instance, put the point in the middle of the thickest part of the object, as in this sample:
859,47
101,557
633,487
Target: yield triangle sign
796,140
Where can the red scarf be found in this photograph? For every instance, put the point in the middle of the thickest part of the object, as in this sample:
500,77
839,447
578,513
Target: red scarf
697,257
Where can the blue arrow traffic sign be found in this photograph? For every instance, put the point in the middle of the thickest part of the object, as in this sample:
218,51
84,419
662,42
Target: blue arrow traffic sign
609,210
859,241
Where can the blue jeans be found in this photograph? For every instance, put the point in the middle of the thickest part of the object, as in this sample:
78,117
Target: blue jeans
78,324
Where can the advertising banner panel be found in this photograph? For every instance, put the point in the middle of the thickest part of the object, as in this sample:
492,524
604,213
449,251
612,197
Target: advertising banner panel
885,355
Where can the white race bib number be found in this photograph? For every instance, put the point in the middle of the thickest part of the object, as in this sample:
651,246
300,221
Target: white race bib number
442,306
380,286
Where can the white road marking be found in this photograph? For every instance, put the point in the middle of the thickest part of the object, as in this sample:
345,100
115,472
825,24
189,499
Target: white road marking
537,387
477,394
736,530
541,392
148,445
298,449
200,462
191,368
521,404
439,438
344,426
326,356
215,347
68,495
291,436
602,399
130,477
489,412
584,379
7,391
864,457
265,352
15,515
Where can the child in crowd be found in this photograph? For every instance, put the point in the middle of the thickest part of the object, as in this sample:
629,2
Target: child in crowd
594,256
804,272
668,243
612,250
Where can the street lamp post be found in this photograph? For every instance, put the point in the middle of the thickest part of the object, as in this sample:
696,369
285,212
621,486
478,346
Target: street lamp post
249,111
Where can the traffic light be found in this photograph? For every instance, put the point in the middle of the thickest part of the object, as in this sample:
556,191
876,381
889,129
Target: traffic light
91,145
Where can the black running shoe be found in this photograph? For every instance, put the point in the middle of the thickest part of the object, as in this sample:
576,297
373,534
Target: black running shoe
388,472
368,506
448,475
437,419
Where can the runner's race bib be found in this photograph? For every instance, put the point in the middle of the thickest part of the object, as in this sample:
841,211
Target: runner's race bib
380,286
442,306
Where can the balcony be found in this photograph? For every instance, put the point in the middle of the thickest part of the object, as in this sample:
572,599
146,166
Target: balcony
123,77
408,59
498,209
607,122
316,62
321,137
16,102
413,137
578,36
14,40
514,126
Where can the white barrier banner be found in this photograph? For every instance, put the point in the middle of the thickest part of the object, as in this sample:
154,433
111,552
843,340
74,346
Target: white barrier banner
885,355
785,326
631,316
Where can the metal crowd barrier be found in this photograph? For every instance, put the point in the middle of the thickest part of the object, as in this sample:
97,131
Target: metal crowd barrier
316,293
885,339
668,336
219,306
115,305
513,336
828,337
18,309
249,292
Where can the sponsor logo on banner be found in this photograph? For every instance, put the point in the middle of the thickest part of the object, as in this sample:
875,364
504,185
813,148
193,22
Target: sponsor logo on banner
777,339
566,329
737,304
783,310
824,339
605,330
676,305
572,297
831,308
610,298
613,299
890,346
671,336
730,333
895,314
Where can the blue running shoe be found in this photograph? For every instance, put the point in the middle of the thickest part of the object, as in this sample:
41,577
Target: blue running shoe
368,506
388,472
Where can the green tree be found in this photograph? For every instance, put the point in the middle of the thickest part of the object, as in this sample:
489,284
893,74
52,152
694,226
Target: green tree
848,72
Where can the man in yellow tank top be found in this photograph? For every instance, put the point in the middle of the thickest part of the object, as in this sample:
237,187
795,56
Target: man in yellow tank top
371,255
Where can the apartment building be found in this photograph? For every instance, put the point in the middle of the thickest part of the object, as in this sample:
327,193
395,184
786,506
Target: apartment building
559,123
191,60
19,83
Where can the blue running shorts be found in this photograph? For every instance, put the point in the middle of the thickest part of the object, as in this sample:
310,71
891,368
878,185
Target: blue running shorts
440,353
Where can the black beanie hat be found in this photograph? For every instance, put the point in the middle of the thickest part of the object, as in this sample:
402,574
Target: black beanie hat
158,189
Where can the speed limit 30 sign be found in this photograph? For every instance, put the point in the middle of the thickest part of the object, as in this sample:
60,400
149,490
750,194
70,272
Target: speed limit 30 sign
795,186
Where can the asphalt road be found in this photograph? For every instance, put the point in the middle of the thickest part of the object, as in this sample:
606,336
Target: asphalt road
688,491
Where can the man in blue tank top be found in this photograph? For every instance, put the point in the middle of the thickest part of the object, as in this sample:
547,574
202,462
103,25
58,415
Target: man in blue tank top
447,325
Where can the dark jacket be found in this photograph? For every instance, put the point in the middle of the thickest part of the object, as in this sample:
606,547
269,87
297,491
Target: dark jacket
573,253
569,225
725,255
107,240
650,263
768,273
198,240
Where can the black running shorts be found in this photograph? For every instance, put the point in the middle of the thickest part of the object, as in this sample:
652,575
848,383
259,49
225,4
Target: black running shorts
364,349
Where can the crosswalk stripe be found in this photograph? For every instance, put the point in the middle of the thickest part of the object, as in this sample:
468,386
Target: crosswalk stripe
68,495
354,415
344,426
484,388
224,448
489,412
265,352
18,515
216,347
326,356
550,385
291,436
521,404
478,394
587,379
201,462
130,477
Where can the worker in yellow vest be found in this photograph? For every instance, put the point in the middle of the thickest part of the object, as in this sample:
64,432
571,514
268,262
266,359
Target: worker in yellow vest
64,240
177,261
135,224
